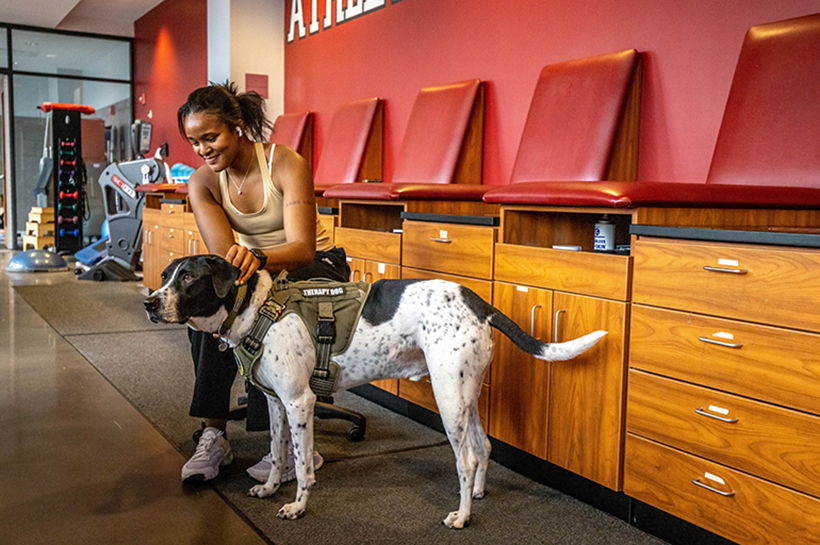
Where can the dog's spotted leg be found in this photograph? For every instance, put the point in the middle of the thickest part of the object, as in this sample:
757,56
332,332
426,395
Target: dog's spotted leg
481,446
466,465
455,417
300,418
279,441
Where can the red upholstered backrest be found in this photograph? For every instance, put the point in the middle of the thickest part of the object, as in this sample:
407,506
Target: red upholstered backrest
770,134
573,119
345,142
288,129
435,132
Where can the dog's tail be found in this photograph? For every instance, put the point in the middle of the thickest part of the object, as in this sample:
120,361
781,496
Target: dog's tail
527,343
541,350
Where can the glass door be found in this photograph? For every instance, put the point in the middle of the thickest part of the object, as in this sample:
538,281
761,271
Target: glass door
5,179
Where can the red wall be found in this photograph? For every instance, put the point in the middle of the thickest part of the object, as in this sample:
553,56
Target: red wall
170,61
690,47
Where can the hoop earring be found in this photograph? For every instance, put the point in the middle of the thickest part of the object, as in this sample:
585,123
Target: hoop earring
239,131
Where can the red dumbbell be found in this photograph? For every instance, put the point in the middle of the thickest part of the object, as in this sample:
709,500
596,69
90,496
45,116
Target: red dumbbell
74,195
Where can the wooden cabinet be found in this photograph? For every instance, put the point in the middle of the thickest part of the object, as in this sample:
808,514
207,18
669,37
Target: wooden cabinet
569,413
723,416
557,410
373,271
464,250
151,253
519,399
169,232
587,394
731,503
764,284
194,243
433,248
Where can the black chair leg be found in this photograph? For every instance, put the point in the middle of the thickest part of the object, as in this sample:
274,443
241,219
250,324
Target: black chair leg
325,410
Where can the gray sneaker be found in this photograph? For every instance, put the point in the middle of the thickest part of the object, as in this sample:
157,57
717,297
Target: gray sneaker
261,470
212,452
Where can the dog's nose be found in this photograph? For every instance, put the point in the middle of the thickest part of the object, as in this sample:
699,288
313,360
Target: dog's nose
151,304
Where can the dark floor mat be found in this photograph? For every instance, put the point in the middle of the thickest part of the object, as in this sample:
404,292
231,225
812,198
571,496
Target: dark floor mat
82,307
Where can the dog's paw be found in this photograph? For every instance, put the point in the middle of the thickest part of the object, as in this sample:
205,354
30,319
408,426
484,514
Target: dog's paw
479,494
454,520
263,490
291,511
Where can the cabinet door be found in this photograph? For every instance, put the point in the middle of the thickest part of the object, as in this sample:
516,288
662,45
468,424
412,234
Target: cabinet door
520,383
587,394
374,271
151,250
356,269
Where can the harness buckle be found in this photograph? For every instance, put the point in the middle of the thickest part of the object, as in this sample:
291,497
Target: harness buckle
271,310
326,331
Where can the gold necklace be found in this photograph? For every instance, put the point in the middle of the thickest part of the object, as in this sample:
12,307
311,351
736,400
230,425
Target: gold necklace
240,186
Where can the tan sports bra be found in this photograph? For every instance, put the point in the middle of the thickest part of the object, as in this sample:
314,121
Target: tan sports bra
264,228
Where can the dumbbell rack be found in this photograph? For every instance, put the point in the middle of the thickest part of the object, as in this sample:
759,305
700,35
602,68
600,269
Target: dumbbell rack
68,180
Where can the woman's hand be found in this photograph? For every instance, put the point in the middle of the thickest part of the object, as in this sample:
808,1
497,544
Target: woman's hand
241,257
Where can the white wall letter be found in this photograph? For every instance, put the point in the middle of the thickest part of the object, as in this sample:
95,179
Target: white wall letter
354,8
296,17
328,13
340,11
372,4
314,17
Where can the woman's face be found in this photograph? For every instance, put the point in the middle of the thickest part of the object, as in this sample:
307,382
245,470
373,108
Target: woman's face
212,140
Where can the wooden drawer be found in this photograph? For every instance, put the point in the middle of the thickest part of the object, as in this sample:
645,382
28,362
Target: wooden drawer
772,364
586,273
172,209
166,257
329,223
773,286
767,441
756,512
173,238
483,288
375,245
457,249
421,393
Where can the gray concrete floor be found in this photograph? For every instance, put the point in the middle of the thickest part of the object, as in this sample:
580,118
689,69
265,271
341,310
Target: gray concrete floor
78,463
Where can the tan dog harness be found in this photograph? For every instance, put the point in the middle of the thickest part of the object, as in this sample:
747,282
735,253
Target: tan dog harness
330,311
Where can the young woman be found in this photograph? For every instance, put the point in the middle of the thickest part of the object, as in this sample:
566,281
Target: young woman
265,194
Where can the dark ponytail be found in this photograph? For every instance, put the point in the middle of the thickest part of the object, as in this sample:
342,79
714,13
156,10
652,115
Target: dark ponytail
233,109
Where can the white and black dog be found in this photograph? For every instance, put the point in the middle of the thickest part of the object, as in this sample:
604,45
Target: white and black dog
408,329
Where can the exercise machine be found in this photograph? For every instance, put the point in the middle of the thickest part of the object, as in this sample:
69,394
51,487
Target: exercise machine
62,167
118,257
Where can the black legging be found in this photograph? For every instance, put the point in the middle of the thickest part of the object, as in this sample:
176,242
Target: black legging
216,371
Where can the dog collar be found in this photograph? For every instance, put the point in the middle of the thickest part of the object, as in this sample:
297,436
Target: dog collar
226,325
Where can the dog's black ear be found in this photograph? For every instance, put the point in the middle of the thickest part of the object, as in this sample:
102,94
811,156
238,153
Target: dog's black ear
223,274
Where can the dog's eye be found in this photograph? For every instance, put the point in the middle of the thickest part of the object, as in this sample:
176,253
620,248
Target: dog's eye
187,277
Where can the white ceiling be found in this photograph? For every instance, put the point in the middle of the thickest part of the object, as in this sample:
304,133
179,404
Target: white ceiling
114,17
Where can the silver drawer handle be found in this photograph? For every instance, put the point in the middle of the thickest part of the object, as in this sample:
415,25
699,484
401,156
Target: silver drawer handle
555,326
532,319
444,240
701,412
720,343
722,270
710,489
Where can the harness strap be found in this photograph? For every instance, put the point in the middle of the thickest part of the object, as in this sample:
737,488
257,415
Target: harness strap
326,371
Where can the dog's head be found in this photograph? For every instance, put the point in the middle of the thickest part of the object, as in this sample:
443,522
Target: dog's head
193,287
